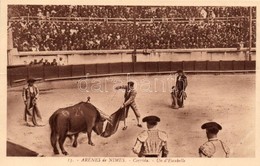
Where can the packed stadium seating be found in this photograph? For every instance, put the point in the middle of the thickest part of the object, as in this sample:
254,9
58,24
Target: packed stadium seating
43,28
126,11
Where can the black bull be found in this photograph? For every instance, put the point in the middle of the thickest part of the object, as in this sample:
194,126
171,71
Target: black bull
82,117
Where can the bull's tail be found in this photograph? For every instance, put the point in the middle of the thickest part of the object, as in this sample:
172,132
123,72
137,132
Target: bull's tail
52,120
53,137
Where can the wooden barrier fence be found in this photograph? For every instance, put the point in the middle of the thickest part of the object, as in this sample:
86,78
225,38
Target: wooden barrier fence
18,75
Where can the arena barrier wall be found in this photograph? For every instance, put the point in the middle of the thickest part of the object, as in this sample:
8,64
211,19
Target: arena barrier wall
79,57
18,75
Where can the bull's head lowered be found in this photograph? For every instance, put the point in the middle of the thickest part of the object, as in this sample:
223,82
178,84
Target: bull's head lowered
99,125
98,128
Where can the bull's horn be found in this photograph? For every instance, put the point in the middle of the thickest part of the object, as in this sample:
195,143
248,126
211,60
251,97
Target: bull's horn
105,116
109,120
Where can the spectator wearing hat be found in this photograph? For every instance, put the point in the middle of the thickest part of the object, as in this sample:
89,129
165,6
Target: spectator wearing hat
180,87
130,94
46,63
35,62
214,147
32,115
54,62
151,142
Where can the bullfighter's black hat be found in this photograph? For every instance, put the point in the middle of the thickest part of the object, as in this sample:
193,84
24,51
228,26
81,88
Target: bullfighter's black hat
31,80
179,71
212,127
151,119
131,83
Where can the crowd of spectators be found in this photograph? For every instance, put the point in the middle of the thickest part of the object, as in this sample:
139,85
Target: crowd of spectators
196,35
127,11
45,62
51,36
56,35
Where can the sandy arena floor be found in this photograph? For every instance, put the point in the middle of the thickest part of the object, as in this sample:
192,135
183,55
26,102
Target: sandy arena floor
227,99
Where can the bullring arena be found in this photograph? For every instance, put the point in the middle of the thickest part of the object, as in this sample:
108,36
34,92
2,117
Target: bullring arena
75,54
228,99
